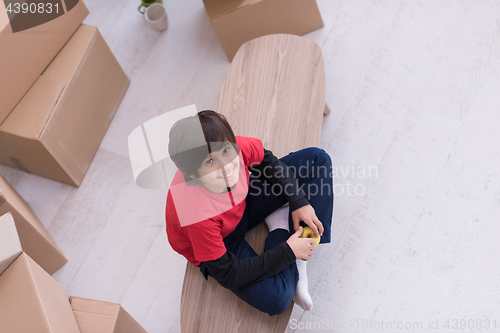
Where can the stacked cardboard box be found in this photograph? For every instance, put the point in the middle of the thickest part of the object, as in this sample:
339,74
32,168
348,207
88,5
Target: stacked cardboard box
10,246
95,316
25,54
56,128
32,301
35,240
237,22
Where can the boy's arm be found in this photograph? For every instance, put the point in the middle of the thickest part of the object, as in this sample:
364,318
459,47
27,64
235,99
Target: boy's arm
277,172
232,273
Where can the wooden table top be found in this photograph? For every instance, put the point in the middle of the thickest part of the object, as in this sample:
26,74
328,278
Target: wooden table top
275,91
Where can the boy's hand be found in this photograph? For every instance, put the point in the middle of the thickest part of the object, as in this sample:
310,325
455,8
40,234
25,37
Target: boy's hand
301,247
307,214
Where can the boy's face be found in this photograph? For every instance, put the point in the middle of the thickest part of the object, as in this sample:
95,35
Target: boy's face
220,169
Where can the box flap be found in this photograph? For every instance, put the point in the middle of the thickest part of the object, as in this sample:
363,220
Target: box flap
10,245
103,317
254,21
58,126
240,24
53,300
94,316
22,208
87,106
30,116
218,8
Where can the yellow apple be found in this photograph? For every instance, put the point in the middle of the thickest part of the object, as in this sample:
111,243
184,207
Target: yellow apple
308,233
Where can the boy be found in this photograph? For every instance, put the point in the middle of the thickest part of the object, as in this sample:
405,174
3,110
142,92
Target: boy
213,201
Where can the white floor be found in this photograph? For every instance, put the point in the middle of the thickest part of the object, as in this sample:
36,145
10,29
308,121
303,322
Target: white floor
414,134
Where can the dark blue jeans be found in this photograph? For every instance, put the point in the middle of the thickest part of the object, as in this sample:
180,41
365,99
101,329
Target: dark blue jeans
313,169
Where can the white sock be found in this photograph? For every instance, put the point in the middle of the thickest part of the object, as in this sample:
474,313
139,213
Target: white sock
302,297
278,219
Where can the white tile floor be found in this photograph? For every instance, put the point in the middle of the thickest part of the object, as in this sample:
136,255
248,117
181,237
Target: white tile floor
414,133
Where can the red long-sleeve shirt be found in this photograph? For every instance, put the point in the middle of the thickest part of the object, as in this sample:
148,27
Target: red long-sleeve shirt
198,220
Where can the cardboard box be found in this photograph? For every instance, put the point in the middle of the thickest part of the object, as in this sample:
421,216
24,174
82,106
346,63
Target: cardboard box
237,22
35,240
10,246
103,317
32,301
25,54
57,127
